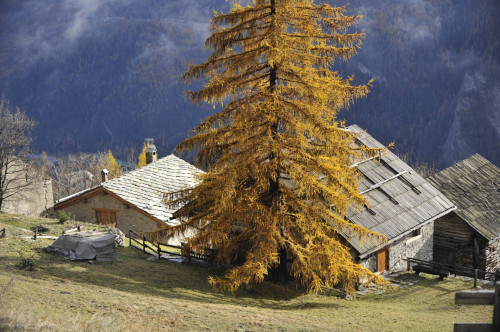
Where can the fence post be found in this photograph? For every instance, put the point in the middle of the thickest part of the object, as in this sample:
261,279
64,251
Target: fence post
496,308
408,265
36,233
159,253
130,238
475,278
144,244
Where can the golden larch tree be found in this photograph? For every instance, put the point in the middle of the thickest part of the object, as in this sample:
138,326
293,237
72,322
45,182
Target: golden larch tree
280,179
141,160
112,166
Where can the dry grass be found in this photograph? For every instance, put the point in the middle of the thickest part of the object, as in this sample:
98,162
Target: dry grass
136,294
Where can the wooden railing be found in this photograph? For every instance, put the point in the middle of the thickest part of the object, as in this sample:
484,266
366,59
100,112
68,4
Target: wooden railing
158,249
454,269
483,297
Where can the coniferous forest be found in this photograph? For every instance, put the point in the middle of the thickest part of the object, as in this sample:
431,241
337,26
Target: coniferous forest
100,75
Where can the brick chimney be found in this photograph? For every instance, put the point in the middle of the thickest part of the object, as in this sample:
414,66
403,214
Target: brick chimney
104,175
151,153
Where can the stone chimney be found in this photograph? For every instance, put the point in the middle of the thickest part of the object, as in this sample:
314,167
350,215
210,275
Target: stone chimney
104,175
151,154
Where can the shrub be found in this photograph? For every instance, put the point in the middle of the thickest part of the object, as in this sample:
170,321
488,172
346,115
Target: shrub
27,261
40,228
64,216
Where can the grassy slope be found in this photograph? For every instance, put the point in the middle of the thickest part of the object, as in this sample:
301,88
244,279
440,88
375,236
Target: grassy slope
138,294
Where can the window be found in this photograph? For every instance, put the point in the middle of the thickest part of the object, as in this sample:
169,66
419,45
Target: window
416,232
414,235
105,217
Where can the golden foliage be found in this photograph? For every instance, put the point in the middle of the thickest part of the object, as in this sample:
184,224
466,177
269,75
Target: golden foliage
279,163
112,166
141,160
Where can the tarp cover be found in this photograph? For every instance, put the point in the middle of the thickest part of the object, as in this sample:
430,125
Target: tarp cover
86,246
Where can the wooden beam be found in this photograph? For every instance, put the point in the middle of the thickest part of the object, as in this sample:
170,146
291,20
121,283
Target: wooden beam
108,192
496,309
376,185
482,297
104,210
473,327
78,198
134,207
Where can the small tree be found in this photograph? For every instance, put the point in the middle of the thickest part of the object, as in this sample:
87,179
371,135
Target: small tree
112,166
141,161
15,141
75,173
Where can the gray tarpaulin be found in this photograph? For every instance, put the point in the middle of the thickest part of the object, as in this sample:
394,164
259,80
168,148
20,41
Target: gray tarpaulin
85,246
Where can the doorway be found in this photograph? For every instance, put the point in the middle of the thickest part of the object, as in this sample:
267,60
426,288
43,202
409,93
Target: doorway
382,259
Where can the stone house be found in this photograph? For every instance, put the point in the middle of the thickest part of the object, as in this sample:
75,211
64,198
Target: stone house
135,199
33,195
470,235
402,206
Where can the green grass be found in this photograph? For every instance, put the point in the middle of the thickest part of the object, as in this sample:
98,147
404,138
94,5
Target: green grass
15,223
137,294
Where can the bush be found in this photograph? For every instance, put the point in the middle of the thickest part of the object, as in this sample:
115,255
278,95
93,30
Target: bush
41,228
64,216
27,261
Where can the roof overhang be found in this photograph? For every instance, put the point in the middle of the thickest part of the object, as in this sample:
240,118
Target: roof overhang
376,248
100,189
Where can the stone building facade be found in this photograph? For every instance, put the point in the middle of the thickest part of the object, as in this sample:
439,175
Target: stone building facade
34,196
135,200
401,205
412,245
127,217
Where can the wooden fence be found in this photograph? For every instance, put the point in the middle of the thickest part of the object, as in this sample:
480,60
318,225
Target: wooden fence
158,249
483,297
453,269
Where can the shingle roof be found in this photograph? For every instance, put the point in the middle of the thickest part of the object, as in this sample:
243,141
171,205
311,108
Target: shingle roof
473,185
144,187
400,199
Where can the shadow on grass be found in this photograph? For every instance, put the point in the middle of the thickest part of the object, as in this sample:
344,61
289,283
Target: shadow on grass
421,285
134,274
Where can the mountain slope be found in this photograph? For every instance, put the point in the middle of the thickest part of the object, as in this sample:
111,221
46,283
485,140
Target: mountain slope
106,74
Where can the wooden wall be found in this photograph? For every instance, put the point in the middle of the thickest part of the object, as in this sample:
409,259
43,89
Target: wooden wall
454,242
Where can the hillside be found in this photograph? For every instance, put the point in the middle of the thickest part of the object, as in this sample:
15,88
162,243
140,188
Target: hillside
106,74
135,293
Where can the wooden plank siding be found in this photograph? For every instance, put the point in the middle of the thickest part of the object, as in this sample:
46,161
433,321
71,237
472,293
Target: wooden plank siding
452,232
454,243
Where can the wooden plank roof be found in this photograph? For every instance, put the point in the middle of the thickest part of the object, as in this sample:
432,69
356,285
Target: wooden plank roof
400,200
473,185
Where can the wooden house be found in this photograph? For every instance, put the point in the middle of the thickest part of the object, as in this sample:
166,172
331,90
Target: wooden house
135,199
470,235
402,206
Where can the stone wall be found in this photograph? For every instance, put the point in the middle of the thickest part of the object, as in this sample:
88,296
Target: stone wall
492,256
419,247
126,217
34,200
370,262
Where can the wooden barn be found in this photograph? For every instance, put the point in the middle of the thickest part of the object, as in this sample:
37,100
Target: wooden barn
403,207
135,199
469,236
